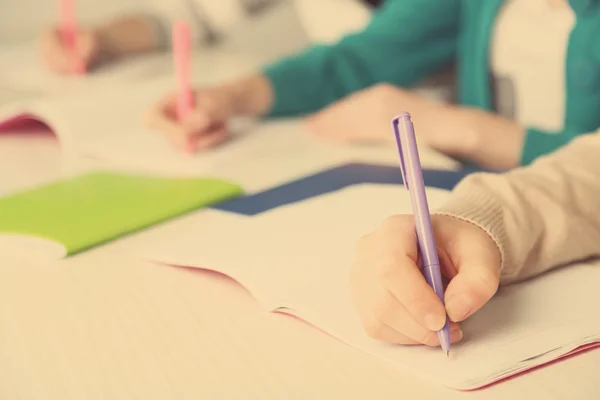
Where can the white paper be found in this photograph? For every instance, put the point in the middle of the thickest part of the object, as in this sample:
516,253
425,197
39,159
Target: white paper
300,255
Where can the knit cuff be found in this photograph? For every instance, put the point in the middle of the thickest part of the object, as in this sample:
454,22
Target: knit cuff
482,209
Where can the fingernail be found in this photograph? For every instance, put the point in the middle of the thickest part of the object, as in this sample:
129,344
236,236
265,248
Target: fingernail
456,333
435,322
459,307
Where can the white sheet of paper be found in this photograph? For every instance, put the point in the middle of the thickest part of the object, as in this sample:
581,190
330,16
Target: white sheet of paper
297,258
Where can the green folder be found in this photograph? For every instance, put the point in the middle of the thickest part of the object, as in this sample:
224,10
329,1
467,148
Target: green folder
95,208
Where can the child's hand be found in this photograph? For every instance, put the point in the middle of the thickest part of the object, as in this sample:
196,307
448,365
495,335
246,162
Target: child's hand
362,117
365,116
206,125
392,298
59,59
203,128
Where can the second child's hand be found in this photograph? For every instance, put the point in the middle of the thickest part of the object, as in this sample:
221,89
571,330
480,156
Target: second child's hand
480,137
206,125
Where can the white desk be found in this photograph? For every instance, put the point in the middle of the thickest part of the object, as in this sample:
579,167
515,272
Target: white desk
241,352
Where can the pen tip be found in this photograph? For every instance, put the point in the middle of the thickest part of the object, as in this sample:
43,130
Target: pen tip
448,353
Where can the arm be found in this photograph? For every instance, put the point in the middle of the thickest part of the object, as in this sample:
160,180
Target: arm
152,31
129,35
538,143
492,141
540,216
406,41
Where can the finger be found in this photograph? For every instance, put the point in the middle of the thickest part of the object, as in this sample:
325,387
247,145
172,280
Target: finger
393,244
213,105
396,316
159,120
186,135
196,121
381,331
321,125
168,106
86,48
476,260
175,134
72,60
471,288
214,138
404,279
53,52
390,335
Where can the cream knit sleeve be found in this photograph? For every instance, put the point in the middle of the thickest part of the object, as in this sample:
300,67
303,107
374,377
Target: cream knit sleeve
541,216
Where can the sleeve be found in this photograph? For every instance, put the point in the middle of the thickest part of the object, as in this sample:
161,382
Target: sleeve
406,41
541,216
539,142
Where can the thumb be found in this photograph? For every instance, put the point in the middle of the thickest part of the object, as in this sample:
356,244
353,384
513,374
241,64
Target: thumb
197,121
86,45
470,289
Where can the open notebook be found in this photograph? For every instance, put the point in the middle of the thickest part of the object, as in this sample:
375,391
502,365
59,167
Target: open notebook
107,124
100,115
105,129
295,260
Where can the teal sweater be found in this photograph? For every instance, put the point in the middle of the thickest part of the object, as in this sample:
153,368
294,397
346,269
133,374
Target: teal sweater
409,40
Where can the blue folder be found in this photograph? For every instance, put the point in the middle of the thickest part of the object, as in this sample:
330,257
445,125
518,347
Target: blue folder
334,179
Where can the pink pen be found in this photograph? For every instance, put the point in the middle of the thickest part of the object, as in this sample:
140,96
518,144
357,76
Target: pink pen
182,61
68,30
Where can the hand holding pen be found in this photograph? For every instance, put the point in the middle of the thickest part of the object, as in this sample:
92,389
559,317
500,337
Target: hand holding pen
396,289
196,120
68,48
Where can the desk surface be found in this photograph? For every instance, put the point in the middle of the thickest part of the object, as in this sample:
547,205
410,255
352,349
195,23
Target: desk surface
242,351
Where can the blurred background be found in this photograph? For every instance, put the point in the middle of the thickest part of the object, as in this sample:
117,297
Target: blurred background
22,19
321,20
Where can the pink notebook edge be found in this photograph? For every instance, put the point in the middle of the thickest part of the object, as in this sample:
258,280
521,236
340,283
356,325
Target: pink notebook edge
504,378
24,120
519,372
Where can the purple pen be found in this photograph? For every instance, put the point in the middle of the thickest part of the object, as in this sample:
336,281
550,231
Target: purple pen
412,175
